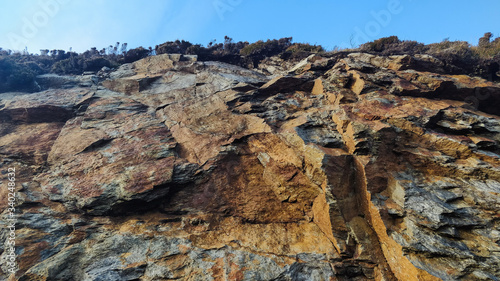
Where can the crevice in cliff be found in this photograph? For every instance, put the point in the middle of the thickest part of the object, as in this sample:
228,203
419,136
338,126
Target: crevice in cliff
401,267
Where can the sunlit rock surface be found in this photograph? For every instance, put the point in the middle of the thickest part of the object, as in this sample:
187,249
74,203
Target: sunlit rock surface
342,167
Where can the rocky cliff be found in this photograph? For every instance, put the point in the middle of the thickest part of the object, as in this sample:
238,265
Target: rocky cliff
346,166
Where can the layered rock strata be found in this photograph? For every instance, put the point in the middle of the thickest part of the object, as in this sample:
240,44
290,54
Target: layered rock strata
342,167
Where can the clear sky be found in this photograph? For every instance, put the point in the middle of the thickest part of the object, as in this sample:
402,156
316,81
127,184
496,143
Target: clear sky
82,24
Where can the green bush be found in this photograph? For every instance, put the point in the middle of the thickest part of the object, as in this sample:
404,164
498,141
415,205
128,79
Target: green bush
136,54
380,44
252,48
485,40
487,48
72,65
268,48
15,77
461,48
175,47
305,48
95,64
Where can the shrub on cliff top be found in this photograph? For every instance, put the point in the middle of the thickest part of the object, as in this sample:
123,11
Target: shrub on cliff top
15,76
72,65
175,47
305,47
487,48
460,48
392,46
241,53
95,64
268,48
380,44
136,54
459,57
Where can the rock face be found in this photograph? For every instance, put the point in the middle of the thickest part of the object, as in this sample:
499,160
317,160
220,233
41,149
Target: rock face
345,167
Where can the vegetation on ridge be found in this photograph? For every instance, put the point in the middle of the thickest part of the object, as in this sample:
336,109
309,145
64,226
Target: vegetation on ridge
18,70
459,57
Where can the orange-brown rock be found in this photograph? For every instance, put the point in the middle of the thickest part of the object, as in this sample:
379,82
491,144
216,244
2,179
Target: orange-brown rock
342,167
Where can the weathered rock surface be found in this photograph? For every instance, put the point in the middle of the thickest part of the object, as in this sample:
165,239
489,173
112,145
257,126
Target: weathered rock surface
349,167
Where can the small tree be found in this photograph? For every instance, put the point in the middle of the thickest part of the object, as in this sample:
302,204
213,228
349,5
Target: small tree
123,49
136,54
485,40
110,50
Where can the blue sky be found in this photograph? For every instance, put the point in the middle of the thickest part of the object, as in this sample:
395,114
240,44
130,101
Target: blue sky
82,24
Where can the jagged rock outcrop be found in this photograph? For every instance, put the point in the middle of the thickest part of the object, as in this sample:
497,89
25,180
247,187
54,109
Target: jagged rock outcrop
342,167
